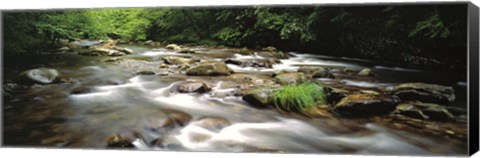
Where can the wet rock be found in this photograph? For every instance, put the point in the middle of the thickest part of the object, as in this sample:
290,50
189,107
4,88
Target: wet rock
410,111
259,98
210,68
116,141
177,118
113,59
123,50
270,48
438,113
145,72
432,111
290,77
212,123
366,72
82,90
192,86
365,105
186,51
334,95
278,55
268,63
101,52
41,75
175,60
170,143
316,72
430,93
163,66
173,46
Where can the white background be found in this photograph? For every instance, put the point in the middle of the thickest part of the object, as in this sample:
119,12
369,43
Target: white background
78,153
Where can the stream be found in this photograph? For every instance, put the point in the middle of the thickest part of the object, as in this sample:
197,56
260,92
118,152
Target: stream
118,100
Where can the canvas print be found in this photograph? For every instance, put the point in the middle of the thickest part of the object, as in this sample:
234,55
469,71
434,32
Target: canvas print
383,79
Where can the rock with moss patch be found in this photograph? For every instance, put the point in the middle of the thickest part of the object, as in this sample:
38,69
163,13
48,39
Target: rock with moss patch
209,68
116,141
316,72
360,105
366,72
290,77
259,98
430,93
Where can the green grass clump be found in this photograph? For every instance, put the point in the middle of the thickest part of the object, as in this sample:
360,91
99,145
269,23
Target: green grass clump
299,97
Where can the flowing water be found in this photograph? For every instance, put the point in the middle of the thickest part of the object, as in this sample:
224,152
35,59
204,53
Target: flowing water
120,101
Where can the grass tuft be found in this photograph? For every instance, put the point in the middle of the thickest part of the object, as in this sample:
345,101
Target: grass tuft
299,97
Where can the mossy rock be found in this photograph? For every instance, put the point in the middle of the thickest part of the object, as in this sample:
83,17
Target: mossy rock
209,68
365,105
290,77
316,72
366,72
424,92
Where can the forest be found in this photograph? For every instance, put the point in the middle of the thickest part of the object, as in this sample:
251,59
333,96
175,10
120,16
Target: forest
352,79
431,36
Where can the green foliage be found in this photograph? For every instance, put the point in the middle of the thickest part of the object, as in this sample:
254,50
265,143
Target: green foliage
299,97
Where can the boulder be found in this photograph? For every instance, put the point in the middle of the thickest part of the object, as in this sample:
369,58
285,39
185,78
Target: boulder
41,75
259,98
209,68
270,48
366,72
410,111
278,55
365,105
192,86
334,95
290,77
315,72
175,60
173,47
430,93
101,52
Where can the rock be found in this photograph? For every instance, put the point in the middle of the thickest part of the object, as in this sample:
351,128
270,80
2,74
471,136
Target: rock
116,141
113,59
270,48
290,77
124,50
315,72
173,46
334,95
170,143
212,123
410,111
163,66
259,98
278,55
211,68
430,93
177,118
268,63
145,72
41,75
106,44
431,110
186,51
175,60
82,90
365,105
101,52
192,86
366,72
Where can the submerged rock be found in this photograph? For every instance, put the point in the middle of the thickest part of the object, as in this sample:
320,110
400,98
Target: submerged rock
365,105
186,51
192,86
175,60
173,46
366,72
212,123
430,93
116,141
177,118
209,68
290,77
41,75
316,72
145,72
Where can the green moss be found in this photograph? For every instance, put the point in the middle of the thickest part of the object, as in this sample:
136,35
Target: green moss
299,97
